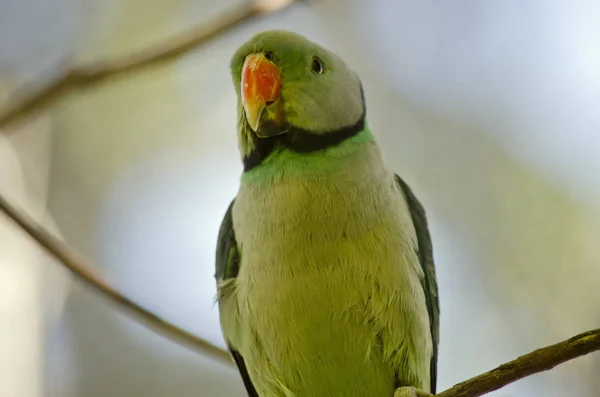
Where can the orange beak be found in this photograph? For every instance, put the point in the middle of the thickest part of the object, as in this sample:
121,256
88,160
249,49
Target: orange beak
260,87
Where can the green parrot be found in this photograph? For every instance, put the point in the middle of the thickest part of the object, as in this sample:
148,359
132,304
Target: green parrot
326,284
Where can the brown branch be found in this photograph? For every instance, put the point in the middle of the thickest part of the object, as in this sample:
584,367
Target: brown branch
84,271
168,51
537,361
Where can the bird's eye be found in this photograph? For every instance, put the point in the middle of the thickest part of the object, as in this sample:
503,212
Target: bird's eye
269,56
317,66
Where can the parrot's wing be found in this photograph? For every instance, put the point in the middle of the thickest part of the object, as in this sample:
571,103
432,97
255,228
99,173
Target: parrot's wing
424,251
227,267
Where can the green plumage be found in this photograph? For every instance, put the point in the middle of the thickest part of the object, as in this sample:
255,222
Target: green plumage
324,266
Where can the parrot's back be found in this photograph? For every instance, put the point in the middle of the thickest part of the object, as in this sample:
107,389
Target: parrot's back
327,299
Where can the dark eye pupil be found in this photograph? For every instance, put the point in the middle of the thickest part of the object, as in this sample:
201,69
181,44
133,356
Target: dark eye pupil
269,55
317,65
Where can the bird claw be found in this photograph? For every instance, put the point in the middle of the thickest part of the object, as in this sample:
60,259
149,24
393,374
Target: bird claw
409,391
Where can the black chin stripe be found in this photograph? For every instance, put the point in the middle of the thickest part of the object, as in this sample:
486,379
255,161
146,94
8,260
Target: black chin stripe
262,149
299,140
305,142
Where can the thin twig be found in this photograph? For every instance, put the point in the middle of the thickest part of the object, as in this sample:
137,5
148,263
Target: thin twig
537,361
35,99
83,270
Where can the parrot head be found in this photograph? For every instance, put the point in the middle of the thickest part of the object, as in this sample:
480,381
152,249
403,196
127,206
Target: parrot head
294,94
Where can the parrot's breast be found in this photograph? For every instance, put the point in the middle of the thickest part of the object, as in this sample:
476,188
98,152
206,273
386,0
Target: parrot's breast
328,298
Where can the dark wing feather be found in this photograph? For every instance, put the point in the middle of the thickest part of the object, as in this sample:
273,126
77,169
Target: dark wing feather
228,266
429,283
239,360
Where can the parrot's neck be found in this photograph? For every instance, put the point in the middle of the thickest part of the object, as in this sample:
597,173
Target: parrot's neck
284,162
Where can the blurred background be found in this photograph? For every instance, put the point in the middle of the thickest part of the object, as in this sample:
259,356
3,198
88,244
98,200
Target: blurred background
488,109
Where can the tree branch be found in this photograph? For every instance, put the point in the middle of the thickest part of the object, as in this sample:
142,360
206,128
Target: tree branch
85,272
85,76
537,361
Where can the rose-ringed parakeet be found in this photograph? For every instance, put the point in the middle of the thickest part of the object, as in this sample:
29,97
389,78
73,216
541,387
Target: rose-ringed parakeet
324,266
